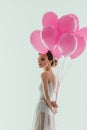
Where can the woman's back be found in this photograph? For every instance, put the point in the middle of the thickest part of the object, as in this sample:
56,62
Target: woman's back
51,91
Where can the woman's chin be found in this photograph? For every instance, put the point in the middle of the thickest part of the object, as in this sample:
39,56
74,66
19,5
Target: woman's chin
40,66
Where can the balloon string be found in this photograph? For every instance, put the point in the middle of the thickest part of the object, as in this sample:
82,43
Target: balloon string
61,74
53,121
57,91
59,67
58,73
68,64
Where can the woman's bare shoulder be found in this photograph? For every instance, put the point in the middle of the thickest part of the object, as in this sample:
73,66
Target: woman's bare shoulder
45,74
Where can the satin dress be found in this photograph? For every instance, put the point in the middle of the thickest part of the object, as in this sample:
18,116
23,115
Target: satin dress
43,117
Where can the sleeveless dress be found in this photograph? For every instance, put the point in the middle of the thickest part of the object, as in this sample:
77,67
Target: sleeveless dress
43,116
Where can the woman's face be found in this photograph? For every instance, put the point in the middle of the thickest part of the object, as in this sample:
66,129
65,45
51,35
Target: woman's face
43,60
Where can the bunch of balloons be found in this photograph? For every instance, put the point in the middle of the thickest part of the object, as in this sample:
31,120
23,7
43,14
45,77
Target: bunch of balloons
62,36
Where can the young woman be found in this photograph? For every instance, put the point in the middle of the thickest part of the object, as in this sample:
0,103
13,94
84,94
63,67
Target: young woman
46,107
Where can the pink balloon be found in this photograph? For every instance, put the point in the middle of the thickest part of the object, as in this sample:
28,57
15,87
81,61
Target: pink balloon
67,24
49,19
67,44
49,37
80,47
77,21
36,42
56,53
83,32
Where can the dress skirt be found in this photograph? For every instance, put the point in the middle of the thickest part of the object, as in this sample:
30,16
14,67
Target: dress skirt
43,118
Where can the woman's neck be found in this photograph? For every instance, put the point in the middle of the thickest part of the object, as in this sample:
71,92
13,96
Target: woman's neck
46,69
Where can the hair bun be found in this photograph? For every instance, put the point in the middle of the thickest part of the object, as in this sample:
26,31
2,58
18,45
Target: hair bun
54,62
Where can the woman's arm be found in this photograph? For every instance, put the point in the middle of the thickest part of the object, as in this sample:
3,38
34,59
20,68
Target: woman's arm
45,78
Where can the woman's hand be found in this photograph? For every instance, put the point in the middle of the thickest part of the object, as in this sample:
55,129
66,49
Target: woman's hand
54,110
53,103
54,107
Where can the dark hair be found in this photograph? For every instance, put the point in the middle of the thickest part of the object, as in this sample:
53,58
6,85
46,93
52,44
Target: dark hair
50,57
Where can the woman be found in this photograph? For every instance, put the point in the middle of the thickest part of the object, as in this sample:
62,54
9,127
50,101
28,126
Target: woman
46,107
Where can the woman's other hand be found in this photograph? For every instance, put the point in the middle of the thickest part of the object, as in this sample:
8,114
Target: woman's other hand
54,104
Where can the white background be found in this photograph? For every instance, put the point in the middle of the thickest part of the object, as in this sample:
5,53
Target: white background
19,71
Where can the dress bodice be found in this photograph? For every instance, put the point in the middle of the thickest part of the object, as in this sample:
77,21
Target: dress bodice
51,91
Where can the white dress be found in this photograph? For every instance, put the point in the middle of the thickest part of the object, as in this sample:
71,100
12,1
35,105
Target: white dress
44,119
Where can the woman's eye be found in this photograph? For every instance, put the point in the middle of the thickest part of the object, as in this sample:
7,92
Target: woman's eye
42,59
